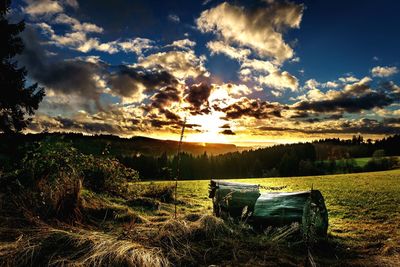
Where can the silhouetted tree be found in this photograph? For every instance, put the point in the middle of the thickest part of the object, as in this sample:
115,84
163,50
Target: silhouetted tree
16,100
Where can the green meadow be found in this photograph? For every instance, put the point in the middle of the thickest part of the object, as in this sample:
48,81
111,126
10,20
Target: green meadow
364,209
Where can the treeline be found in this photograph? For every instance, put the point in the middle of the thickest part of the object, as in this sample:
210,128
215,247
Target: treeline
325,156
357,147
280,160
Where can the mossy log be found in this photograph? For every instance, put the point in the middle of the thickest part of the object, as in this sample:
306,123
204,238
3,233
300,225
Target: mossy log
244,201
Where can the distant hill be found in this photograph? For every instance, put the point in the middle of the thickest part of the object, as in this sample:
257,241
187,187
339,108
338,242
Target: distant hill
152,146
114,145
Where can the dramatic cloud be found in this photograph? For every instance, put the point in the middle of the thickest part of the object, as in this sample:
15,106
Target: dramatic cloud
164,97
66,76
260,29
197,95
145,78
358,126
90,78
112,122
353,98
133,81
251,108
181,64
379,71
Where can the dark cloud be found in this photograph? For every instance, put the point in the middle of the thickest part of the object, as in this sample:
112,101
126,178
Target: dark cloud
66,76
300,115
69,124
313,120
392,120
225,126
227,132
164,97
125,81
77,76
197,95
251,108
344,102
363,126
334,117
161,101
353,99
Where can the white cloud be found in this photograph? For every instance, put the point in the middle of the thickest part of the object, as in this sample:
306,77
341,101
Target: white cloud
348,79
76,25
219,47
43,7
295,60
174,18
280,80
137,45
331,84
260,30
181,64
311,84
184,43
380,71
77,40
249,66
95,44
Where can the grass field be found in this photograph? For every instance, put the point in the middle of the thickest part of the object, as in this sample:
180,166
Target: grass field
138,228
364,210
361,162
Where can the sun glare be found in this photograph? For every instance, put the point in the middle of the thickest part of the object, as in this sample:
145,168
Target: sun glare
210,127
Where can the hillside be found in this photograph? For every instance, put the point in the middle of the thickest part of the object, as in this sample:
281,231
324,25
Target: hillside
114,145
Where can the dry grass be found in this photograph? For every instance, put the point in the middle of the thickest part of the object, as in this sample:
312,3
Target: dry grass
210,240
163,193
76,247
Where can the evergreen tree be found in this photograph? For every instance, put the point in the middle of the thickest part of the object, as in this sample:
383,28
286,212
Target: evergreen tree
16,100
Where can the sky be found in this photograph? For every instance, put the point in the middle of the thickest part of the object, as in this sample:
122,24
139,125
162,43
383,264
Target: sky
241,72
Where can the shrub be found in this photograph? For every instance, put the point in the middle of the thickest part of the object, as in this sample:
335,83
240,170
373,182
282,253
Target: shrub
106,174
381,163
52,174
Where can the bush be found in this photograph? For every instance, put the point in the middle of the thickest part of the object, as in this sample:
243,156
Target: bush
381,164
106,174
52,174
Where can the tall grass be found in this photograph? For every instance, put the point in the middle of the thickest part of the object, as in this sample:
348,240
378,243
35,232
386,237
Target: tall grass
76,247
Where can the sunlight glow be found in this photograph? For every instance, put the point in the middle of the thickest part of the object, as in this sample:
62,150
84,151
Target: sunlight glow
209,126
